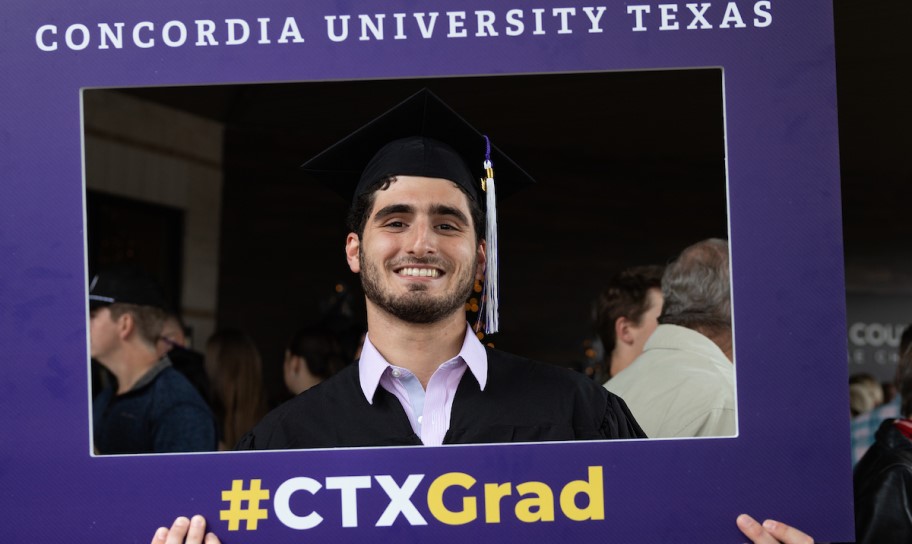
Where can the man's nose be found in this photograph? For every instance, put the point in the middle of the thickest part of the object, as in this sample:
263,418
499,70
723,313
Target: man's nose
422,240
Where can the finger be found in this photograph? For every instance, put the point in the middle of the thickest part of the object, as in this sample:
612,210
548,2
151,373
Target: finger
178,531
197,530
786,533
212,539
754,531
160,535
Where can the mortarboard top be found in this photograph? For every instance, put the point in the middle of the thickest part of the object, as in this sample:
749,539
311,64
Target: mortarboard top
421,136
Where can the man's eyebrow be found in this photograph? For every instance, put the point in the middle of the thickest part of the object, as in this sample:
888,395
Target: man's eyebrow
393,209
442,209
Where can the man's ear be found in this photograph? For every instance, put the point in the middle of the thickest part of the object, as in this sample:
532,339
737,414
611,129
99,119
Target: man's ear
352,252
622,330
126,324
480,261
293,363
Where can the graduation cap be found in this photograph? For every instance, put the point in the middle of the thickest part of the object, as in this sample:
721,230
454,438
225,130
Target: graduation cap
422,136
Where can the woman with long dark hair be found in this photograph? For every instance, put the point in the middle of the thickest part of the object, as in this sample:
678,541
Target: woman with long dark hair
235,372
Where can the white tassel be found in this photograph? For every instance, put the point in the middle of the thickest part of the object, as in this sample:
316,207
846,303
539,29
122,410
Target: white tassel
491,270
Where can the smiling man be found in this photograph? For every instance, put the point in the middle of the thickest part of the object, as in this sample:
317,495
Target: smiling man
419,242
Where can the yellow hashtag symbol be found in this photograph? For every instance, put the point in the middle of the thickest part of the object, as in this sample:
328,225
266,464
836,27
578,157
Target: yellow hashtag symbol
236,497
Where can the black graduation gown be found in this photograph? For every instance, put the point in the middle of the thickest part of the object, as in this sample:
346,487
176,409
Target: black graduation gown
523,401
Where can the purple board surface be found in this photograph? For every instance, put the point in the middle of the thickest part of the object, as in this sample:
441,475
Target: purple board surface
790,460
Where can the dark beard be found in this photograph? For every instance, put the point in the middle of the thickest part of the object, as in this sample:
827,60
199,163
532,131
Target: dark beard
415,306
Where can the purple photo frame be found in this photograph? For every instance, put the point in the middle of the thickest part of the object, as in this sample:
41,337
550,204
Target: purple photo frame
790,460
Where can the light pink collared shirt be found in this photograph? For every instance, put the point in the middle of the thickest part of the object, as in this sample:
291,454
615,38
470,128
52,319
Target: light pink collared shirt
428,411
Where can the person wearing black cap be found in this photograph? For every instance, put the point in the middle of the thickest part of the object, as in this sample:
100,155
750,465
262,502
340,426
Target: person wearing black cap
151,408
420,240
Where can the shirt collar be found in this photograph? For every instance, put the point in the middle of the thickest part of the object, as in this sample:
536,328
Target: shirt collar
681,338
372,364
152,373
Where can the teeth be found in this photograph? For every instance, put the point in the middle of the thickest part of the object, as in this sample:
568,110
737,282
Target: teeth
420,272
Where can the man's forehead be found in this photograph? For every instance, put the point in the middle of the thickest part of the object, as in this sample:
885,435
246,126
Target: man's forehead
171,325
429,195
654,296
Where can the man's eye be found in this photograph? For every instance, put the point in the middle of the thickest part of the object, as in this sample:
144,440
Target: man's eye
447,226
395,224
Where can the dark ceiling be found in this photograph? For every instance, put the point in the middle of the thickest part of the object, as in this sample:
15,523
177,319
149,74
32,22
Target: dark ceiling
874,83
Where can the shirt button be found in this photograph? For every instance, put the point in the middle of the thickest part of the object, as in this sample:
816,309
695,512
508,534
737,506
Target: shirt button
397,374
420,418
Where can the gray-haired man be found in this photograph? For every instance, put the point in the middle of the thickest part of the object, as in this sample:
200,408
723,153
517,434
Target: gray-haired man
683,383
